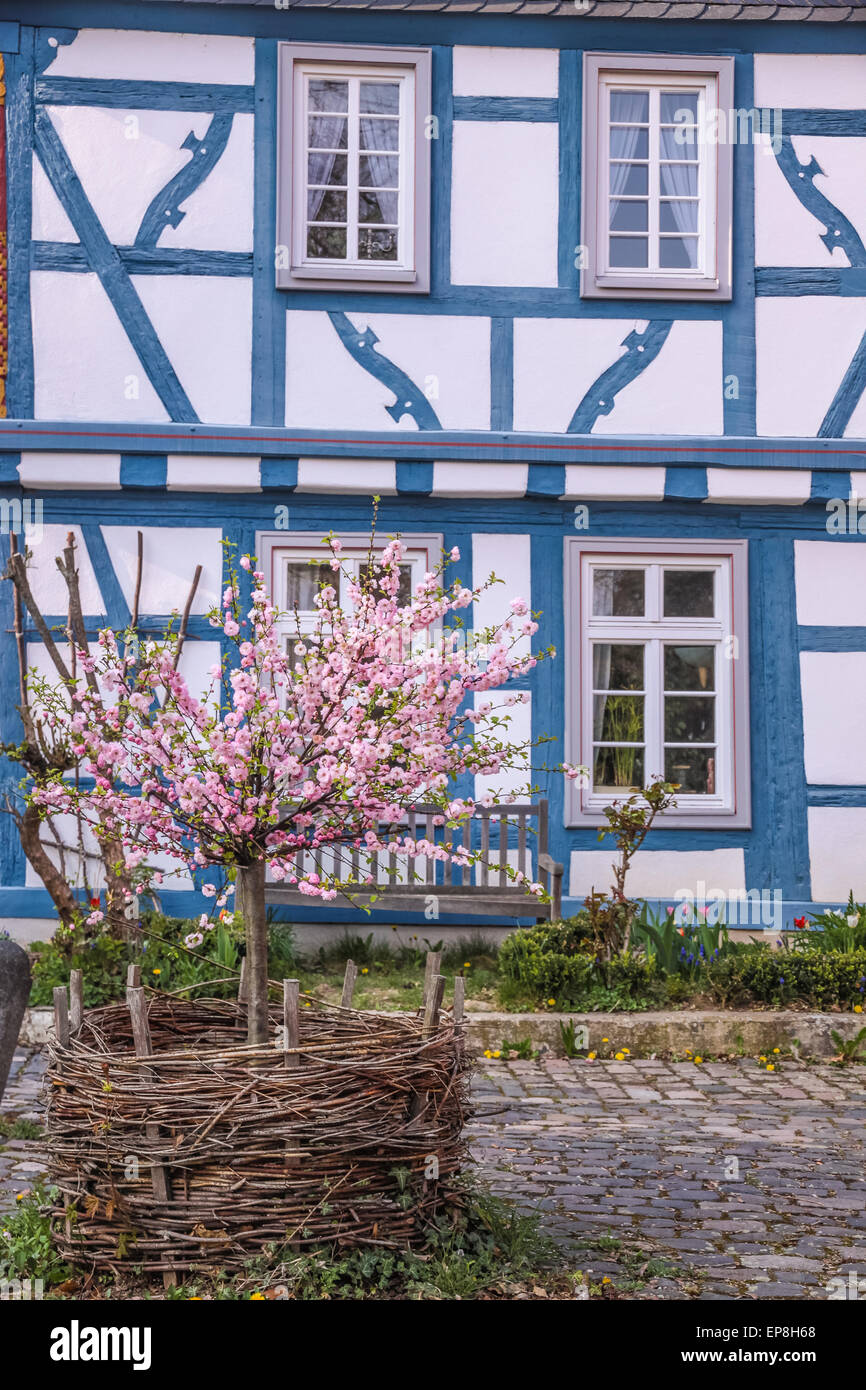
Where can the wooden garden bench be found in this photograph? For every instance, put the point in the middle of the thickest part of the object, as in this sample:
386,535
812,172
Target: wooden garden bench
514,835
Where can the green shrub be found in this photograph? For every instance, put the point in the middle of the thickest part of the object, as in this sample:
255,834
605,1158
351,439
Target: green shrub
546,961
820,979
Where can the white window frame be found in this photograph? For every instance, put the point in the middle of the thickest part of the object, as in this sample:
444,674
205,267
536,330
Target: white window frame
729,806
412,69
714,80
422,553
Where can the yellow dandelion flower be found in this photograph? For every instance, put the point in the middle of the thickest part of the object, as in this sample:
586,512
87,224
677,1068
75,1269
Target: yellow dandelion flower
487,1052
254,1297
698,1060
157,971
605,1280
590,1056
771,1066
467,965
620,1056
497,1054
858,1008
551,1002
365,970
762,1059
605,1039
627,1052
777,1049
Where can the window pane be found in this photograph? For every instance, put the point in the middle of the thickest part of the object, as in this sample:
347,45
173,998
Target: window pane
376,246
326,243
326,207
678,106
366,573
628,217
688,593
380,97
692,769
629,106
377,207
617,666
379,133
678,253
689,668
678,216
617,718
618,593
629,142
327,168
328,132
303,582
690,718
629,251
629,180
679,180
617,768
379,171
678,142
327,94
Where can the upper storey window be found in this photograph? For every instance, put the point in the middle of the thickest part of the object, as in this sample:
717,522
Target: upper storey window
353,193
657,177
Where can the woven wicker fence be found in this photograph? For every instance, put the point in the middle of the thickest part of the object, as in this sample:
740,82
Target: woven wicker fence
345,1130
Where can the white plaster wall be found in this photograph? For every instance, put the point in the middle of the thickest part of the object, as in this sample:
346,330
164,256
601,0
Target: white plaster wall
556,361
195,664
170,555
364,476
49,221
46,581
509,558
446,356
213,473
204,322
804,348
659,873
504,203
785,232
832,80
834,723
488,478
588,482
124,158
44,469
830,579
137,54
506,72
85,366
510,781
837,835
756,486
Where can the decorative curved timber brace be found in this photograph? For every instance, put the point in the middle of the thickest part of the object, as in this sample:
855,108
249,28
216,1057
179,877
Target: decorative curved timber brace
360,343
164,209
839,231
640,350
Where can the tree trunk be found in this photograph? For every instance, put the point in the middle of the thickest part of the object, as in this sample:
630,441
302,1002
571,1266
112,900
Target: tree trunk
65,901
252,879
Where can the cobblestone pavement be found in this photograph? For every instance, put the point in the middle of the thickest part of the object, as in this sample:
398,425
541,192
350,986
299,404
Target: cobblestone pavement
730,1181
21,1160
673,1180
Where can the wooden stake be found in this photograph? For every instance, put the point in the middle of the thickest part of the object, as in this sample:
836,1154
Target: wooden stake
133,978
434,1004
349,979
459,997
434,961
61,1016
144,1048
291,1021
76,1000
243,993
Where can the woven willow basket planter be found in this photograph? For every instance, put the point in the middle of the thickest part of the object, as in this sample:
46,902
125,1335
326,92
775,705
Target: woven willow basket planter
206,1151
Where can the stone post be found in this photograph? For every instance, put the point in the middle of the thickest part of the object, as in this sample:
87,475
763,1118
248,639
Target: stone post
14,993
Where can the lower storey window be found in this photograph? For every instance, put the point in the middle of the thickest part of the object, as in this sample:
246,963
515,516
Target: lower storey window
658,665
